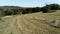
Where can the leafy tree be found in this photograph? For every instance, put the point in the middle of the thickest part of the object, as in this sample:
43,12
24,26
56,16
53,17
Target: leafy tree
54,6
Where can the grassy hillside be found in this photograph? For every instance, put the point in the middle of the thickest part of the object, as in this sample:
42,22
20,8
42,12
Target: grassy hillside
29,24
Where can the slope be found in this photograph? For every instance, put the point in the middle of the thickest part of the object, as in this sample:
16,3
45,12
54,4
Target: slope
29,24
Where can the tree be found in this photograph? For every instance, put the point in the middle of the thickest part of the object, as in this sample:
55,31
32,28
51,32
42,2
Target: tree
45,9
54,6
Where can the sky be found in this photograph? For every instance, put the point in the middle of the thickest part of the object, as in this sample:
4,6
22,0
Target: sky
27,3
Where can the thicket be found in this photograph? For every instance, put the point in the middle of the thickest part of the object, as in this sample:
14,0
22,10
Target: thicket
14,11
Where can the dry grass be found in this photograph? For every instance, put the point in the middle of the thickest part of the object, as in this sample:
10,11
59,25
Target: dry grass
27,24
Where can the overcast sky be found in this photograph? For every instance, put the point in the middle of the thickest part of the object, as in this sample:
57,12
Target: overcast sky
27,3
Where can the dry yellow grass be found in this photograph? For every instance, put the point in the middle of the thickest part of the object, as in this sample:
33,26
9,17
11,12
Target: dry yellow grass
27,24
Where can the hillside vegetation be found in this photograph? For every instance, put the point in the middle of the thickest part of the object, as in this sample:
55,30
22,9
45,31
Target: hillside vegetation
29,23
14,10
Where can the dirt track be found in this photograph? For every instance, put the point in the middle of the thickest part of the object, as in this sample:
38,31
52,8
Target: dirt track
25,25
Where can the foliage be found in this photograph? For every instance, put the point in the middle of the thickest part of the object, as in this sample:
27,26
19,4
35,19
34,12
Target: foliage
50,7
11,10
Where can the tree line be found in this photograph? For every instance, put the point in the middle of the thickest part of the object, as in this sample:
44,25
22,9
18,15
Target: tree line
14,11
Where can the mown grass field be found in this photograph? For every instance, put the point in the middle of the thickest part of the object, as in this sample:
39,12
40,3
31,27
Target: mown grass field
27,24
